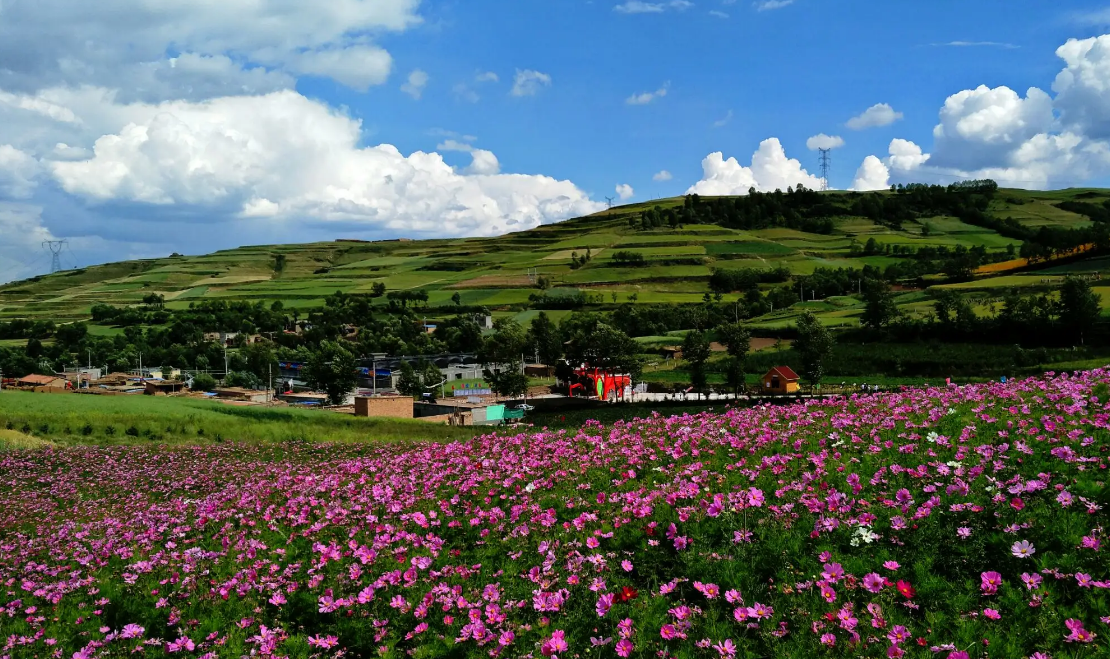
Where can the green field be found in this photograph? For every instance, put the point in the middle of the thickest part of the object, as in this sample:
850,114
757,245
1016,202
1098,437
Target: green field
498,273
78,419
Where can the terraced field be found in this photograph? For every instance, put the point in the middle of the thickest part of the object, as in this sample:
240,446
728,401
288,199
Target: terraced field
500,273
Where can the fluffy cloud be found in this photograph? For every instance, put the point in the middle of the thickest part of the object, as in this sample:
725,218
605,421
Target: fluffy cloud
640,7
663,175
770,5
286,157
983,125
1083,87
414,86
823,141
880,114
122,44
770,170
18,171
871,175
625,191
528,82
647,97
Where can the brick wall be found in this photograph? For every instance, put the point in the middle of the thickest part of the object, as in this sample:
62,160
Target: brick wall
396,407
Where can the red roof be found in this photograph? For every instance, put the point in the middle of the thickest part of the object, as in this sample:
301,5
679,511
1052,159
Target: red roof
39,379
784,372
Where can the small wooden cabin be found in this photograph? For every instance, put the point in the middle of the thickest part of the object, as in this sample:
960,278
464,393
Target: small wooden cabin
780,380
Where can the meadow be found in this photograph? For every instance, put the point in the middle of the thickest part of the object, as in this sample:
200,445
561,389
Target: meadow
954,522
79,419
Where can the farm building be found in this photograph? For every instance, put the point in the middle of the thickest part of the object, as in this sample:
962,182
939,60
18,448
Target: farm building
395,407
780,380
163,387
42,382
238,393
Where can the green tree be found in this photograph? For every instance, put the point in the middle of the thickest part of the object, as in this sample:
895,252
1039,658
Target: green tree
409,383
738,342
331,369
545,340
203,382
597,344
377,289
502,354
814,345
879,308
457,299
260,360
279,263
1080,307
695,350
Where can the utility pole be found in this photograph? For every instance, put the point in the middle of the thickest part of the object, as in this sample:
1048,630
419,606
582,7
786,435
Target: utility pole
270,378
374,374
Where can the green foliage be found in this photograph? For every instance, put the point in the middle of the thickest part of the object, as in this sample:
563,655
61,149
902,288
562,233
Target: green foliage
203,382
545,339
331,369
814,345
879,304
1080,307
600,345
695,350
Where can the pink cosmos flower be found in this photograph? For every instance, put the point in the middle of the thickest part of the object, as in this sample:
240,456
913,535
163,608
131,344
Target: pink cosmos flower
759,611
624,648
604,603
278,598
895,652
131,631
733,597
626,565
1031,581
891,565
828,593
828,639
873,582
957,654
1023,549
898,634
1083,579
963,532
506,638
726,648
989,582
993,614
1077,633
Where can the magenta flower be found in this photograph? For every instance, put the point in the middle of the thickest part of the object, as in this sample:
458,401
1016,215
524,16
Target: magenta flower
624,648
726,648
992,614
1031,581
604,603
873,582
1077,634
828,639
891,565
1023,549
990,581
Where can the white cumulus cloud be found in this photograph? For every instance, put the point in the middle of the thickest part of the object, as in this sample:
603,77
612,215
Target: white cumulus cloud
880,114
240,157
663,175
645,98
823,141
18,173
123,44
872,174
415,84
770,5
770,170
640,7
528,82
625,191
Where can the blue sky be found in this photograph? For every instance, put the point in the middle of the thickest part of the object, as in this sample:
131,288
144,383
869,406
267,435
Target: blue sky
135,129
793,72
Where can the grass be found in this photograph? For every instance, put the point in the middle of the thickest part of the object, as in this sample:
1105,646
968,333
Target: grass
78,419
11,440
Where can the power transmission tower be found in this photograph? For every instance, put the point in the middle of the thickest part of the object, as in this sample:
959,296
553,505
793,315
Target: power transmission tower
826,163
55,247
610,201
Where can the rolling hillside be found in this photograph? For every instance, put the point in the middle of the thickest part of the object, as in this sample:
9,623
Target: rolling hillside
499,273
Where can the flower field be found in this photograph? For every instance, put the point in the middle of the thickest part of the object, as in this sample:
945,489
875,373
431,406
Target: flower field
944,522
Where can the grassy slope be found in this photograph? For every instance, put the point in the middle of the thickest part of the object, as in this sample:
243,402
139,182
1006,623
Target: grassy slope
494,271
81,419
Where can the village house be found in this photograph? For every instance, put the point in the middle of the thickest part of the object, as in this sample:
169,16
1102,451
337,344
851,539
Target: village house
780,380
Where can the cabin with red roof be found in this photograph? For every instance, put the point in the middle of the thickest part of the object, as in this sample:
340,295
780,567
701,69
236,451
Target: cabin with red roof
780,380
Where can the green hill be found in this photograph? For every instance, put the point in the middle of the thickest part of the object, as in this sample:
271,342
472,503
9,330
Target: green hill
501,273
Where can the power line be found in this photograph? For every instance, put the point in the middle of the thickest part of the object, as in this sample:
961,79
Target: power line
826,163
